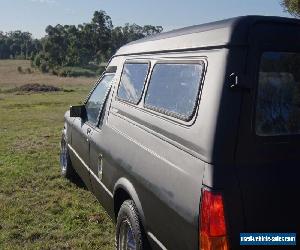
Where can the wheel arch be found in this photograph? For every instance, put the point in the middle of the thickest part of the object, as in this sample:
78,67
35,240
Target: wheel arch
124,190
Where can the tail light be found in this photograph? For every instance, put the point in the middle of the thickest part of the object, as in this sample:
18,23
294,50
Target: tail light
212,227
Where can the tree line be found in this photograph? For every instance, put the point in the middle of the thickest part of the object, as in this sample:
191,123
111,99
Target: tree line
18,44
70,45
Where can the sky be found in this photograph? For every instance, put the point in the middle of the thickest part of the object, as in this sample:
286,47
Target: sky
35,15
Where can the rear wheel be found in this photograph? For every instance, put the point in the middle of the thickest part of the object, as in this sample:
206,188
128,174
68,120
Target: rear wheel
128,230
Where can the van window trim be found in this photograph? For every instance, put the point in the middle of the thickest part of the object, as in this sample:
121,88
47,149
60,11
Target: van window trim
281,138
97,125
169,114
134,61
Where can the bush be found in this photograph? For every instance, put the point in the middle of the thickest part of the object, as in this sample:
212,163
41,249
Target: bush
100,70
37,60
55,71
74,72
20,70
81,72
20,57
91,66
28,70
87,71
44,67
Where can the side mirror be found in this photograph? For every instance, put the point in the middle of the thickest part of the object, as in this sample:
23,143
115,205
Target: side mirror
78,111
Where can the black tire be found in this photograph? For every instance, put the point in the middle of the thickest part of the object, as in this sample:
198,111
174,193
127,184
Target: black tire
128,214
67,170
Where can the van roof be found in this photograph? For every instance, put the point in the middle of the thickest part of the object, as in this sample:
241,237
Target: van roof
233,31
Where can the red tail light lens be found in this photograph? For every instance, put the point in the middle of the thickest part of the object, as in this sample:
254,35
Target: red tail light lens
212,227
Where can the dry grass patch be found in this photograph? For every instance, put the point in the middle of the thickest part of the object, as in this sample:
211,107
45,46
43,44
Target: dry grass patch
11,77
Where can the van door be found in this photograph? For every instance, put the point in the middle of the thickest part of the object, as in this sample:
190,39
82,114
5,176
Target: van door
97,150
268,150
83,129
79,150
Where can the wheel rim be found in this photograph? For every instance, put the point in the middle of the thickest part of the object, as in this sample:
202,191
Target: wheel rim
126,238
63,156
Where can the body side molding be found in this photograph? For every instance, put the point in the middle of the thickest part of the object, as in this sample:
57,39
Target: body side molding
91,172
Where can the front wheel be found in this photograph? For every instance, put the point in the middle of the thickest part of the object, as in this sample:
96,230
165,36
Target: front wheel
66,167
128,230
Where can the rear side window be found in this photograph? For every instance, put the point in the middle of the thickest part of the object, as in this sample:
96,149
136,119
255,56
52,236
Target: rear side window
278,97
132,81
174,88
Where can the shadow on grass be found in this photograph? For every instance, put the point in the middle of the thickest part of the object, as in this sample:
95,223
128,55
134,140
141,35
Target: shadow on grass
78,182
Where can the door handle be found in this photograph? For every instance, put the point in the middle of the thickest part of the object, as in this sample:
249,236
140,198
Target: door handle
100,167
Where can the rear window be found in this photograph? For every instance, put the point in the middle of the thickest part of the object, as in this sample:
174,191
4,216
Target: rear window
174,88
132,81
278,97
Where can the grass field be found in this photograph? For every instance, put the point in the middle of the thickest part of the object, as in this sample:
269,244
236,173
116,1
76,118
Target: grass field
38,208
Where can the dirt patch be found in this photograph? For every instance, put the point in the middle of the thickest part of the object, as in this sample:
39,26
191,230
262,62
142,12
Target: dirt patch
39,88
36,88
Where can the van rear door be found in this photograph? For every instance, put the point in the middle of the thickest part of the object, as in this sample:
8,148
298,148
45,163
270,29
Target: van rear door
268,149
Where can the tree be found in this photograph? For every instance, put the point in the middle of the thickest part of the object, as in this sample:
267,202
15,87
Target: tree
87,43
55,45
292,7
70,45
102,27
131,32
149,30
4,48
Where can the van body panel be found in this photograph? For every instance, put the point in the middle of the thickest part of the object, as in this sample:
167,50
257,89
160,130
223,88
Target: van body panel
195,137
164,174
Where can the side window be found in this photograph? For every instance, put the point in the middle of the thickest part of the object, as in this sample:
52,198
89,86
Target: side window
96,100
174,89
278,95
132,82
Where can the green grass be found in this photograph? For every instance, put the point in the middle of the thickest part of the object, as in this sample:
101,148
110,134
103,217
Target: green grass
38,208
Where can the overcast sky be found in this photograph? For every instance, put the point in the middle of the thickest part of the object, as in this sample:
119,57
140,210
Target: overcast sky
35,15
